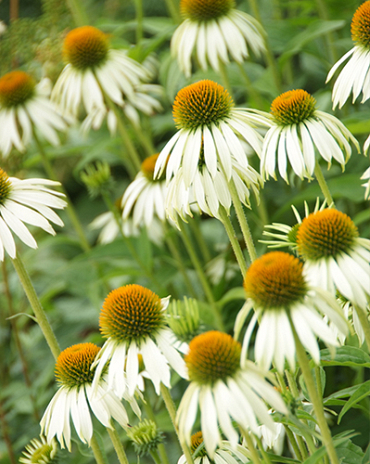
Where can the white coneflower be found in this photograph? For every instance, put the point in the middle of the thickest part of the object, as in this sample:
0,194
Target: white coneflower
94,70
24,108
144,198
355,76
215,29
133,321
297,132
224,453
211,131
27,201
38,451
76,398
224,391
277,289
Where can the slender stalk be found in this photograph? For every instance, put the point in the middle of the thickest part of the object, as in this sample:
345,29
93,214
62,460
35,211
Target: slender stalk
17,340
224,77
139,20
145,139
323,185
78,13
5,434
13,10
250,89
194,225
122,458
233,240
265,456
330,41
171,408
173,9
251,448
99,457
281,381
314,396
293,442
269,54
36,307
365,324
243,222
70,209
202,276
155,457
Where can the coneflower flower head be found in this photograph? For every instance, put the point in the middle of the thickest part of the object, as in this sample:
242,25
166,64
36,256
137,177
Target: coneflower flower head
38,451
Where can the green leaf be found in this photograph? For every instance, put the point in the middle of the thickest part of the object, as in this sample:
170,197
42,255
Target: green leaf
338,441
362,391
345,356
366,458
237,293
349,453
282,459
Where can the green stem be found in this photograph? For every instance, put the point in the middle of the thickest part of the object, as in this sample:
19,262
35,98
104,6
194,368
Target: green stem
269,54
243,221
330,41
224,77
122,458
258,100
194,225
201,275
78,13
323,185
281,381
171,408
5,433
70,209
365,324
293,442
314,396
36,307
139,20
265,456
173,9
155,457
99,457
251,448
292,383
145,139
233,240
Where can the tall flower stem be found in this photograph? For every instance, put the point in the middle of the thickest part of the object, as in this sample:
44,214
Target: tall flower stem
251,448
224,77
78,13
294,444
365,324
330,41
265,456
173,9
98,455
243,222
233,240
194,226
250,89
17,340
202,276
323,185
161,448
122,458
139,20
70,209
5,433
155,457
36,307
145,139
314,396
171,408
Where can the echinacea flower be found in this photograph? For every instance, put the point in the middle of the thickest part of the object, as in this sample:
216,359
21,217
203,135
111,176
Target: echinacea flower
279,293
75,398
27,201
351,314
38,451
355,76
24,110
145,437
298,133
133,321
215,29
211,132
144,198
223,390
93,72
224,453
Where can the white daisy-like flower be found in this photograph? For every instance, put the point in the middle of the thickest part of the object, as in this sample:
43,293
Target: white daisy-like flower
75,398
25,108
366,176
27,201
224,453
224,391
134,322
273,439
298,132
215,30
281,296
355,76
38,451
144,197
211,131
94,71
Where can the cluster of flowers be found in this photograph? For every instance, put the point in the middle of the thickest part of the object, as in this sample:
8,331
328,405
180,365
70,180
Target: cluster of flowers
294,299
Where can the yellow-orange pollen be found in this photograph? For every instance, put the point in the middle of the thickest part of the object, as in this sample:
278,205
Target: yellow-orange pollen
324,234
131,312
275,281
212,356
205,10
73,365
201,104
196,441
293,107
85,47
5,186
16,88
360,26
148,165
